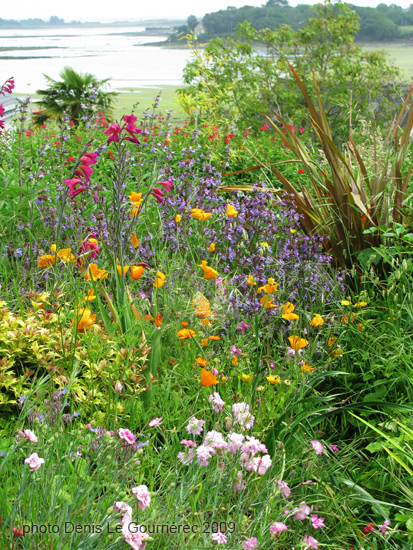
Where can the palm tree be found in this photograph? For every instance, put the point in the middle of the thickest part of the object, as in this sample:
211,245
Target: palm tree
75,95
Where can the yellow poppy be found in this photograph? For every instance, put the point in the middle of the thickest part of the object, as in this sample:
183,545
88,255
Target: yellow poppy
90,296
178,218
209,272
246,377
266,301
345,302
297,343
273,380
125,269
231,212
159,279
251,281
235,361
269,288
200,214
306,368
288,309
95,274
360,304
317,321
211,247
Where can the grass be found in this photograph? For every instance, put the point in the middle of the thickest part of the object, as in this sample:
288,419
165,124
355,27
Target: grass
400,53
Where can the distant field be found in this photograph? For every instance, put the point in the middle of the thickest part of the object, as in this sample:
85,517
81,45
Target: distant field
400,53
140,99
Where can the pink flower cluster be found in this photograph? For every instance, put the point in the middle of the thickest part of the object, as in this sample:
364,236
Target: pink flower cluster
131,531
29,435
115,130
88,246
82,173
5,89
215,444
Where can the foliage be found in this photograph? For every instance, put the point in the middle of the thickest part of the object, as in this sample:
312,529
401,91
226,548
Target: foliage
239,80
75,96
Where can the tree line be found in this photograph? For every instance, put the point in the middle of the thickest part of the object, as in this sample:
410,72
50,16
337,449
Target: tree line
383,23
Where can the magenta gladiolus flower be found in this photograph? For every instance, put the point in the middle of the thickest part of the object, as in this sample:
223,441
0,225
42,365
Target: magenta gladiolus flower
167,184
1,110
34,461
130,119
84,170
89,158
155,422
243,326
127,435
158,194
72,183
334,448
143,496
113,132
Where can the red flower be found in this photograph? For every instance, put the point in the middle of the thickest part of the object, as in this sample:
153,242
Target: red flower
113,132
368,528
110,154
70,159
300,171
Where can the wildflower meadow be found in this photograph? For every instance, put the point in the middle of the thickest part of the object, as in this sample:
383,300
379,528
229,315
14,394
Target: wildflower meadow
205,332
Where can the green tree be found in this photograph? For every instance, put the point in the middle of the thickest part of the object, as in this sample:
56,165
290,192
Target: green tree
75,95
243,77
192,22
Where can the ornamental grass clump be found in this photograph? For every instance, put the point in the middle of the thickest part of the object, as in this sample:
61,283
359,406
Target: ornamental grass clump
341,203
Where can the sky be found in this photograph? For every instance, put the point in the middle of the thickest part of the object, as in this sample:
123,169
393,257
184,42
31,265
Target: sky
134,10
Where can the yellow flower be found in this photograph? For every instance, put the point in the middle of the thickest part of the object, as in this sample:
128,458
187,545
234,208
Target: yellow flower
297,343
331,341
264,244
231,212
345,302
306,368
216,338
246,377
251,281
53,248
95,274
273,380
235,361
204,342
224,378
90,296
269,288
201,362
209,272
288,309
125,269
211,247
136,198
266,301
200,214
135,241
317,321
46,260
360,304
65,254
293,231
185,333
178,218
86,319
159,279
137,272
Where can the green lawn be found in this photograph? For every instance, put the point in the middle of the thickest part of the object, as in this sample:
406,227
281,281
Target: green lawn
400,53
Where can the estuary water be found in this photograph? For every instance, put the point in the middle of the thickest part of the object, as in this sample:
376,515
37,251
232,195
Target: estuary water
116,52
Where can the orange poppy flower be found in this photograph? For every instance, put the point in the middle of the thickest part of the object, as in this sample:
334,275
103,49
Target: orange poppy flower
200,214
204,342
208,379
158,320
65,254
137,272
125,269
184,324
46,260
231,212
185,333
297,343
317,321
209,272
216,338
201,362
85,321
266,301
135,241
90,296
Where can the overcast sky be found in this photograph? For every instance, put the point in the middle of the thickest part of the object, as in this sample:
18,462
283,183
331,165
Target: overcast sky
121,10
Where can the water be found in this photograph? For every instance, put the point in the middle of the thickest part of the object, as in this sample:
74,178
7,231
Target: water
103,51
